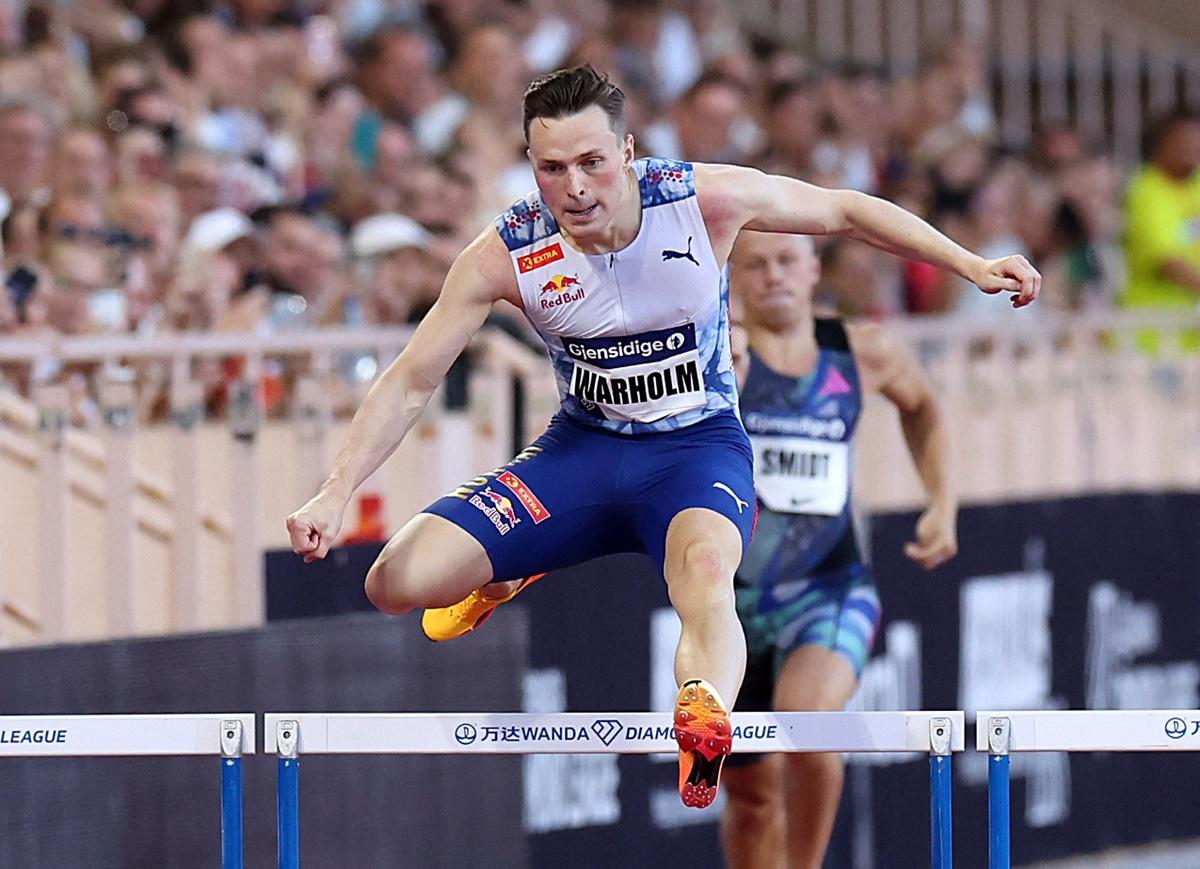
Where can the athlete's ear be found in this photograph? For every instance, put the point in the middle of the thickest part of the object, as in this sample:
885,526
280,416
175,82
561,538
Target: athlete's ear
627,149
529,154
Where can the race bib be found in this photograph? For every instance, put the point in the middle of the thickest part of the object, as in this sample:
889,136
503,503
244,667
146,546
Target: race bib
801,475
638,378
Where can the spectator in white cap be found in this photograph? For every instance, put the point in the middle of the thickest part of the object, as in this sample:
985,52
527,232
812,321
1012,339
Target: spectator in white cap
218,251
398,279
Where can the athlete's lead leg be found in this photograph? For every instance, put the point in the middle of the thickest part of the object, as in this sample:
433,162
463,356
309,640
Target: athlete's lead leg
703,551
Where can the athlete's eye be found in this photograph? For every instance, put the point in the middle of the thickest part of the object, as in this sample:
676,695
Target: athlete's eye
552,168
593,162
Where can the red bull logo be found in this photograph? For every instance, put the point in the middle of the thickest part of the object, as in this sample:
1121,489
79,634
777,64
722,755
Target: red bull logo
502,505
562,289
497,508
560,283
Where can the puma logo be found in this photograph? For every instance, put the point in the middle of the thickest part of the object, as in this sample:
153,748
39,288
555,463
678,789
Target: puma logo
681,254
741,505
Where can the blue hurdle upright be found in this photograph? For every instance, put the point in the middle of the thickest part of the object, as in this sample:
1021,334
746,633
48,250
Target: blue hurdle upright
1001,733
937,734
227,736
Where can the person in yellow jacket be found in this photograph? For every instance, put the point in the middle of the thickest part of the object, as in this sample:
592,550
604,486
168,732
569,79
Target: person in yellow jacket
1162,222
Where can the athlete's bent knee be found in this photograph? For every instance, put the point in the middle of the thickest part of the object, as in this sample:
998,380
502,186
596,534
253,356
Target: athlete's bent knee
704,563
385,589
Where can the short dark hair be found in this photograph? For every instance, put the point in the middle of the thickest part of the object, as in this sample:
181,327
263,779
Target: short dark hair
1163,126
568,91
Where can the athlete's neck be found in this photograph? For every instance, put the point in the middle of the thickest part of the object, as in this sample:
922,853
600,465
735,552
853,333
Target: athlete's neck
622,229
790,349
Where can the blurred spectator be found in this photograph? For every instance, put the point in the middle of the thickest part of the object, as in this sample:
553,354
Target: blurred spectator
657,51
82,165
855,138
859,281
708,125
1084,268
399,75
1162,218
197,177
398,278
138,139
793,118
25,144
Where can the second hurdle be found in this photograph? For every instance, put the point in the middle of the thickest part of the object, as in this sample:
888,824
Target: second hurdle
292,735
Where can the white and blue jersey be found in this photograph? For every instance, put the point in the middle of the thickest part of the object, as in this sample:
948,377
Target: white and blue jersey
648,428
639,337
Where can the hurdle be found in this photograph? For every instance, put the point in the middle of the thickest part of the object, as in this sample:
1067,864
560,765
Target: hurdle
292,735
227,736
1001,733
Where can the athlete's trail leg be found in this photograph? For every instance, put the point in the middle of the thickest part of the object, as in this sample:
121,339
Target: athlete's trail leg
818,680
703,551
430,562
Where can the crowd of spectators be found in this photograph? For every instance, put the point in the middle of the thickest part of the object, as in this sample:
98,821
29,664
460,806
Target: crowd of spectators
172,165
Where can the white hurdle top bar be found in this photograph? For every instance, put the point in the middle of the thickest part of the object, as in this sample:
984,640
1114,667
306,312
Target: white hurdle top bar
119,735
1096,730
603,732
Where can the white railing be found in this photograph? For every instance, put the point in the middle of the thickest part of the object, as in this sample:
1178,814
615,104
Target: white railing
153,528
135,529
1088,63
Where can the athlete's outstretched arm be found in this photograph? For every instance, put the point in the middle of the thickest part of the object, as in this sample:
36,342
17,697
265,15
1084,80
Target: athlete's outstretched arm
889,367
735,197
481,275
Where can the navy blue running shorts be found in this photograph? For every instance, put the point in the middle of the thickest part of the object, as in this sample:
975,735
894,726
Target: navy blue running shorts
578,493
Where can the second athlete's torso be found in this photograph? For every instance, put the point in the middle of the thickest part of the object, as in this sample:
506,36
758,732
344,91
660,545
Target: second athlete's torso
801,429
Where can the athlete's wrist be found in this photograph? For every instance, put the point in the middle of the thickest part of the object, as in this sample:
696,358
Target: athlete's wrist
945,504
337,488
972,267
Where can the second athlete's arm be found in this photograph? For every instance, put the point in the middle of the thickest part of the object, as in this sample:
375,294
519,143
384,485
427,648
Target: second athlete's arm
889,367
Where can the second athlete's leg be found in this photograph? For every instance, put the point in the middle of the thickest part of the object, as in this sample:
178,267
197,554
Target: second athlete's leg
753,823
813,679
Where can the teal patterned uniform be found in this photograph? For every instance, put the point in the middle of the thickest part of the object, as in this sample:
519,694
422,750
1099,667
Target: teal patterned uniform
803,580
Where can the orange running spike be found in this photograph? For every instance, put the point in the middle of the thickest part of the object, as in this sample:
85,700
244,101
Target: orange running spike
705,736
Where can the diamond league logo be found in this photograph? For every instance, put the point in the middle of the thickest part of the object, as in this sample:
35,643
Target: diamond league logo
606,729
1175,728
465,734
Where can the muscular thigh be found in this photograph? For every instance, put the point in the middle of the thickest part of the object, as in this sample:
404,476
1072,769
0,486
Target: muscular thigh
706,466
553,505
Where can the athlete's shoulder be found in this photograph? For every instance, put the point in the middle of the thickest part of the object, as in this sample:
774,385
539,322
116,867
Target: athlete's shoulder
727,193
527,221
483,270
662,181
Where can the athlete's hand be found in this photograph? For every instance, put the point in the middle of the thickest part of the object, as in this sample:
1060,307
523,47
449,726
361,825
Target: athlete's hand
314,527
1010,274
937,540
